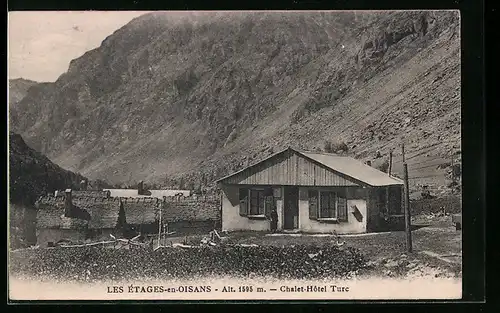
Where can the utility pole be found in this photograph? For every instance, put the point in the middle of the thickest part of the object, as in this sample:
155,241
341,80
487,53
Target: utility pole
403,150
159,229
409,247
390,162
452,182
452,171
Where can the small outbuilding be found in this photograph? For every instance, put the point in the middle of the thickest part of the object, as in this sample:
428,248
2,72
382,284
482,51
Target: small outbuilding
141,214
64,217
107,217
311,192
193,215
59,219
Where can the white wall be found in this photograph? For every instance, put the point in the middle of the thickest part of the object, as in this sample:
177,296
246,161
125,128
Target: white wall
352,226
231,219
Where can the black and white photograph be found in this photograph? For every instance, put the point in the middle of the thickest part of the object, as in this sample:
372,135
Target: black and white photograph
234,155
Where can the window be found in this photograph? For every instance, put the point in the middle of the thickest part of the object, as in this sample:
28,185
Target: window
256,202
327,205
243,201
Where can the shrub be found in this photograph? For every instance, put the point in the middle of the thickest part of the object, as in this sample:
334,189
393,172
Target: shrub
456,170
384,166
335,147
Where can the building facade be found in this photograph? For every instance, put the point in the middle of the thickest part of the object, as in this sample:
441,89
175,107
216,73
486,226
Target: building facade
77,219
98,216
311,192
58,219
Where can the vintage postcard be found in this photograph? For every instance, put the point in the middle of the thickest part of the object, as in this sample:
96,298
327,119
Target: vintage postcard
277,155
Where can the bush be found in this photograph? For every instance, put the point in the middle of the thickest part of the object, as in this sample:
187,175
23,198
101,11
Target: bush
450,204
456,170
384,166
335,147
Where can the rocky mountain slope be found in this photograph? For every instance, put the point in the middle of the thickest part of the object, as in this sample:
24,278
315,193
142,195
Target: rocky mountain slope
31,174
18,88
202,96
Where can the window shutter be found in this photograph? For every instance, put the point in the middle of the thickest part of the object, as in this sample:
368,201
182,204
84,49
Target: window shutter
313,204
332,206
269,206
262,203
243,202
342,209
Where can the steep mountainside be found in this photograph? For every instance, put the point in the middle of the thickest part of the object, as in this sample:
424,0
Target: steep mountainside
31,174
206,95
18,88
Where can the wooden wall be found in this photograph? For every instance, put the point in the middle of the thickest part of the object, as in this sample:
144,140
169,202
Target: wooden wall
289,168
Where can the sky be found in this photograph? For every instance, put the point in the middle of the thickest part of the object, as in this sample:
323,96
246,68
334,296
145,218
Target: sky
41,44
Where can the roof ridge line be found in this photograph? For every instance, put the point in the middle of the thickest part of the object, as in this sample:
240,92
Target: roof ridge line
326,153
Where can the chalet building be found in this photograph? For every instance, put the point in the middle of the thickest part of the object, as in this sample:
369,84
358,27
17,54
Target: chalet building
311,192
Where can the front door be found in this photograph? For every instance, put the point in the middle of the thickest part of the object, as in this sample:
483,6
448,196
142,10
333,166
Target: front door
291,208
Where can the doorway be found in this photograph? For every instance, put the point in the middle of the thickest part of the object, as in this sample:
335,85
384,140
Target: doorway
291,208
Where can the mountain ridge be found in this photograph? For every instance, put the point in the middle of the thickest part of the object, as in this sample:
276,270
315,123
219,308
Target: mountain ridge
31,174
18,88
199,98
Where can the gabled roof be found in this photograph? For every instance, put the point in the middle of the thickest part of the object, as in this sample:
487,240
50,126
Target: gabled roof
353,168
344,165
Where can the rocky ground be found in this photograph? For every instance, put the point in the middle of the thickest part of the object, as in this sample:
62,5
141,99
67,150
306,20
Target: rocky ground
99,263
436,253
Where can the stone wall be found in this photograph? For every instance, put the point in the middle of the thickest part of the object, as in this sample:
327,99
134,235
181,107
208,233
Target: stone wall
193,208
